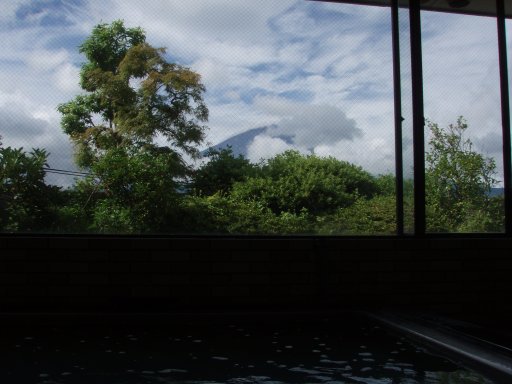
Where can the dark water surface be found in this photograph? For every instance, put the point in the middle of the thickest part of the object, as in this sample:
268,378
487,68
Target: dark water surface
354,350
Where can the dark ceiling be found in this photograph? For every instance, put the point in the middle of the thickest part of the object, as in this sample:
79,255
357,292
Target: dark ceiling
472,7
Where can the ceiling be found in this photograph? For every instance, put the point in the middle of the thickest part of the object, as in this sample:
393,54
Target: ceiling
471,7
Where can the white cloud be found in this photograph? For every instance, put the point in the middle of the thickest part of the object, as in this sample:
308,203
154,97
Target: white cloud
55,65
9,10
309,125
297,23
234,117
191,28
17,126
232,95
265,147
375,155
23,125
218,74
41,60
294,54
460,68
66,78
490,143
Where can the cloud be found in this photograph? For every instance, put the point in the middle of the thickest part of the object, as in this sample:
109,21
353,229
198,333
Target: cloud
66,78
189,29
48,13
460,64
265,147
9,10
490,144
375,155
46,60
217,74
24,127
17,126
57,66
325,130
309,125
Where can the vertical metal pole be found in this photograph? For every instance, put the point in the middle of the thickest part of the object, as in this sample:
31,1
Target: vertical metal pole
418,119
505,115
397,85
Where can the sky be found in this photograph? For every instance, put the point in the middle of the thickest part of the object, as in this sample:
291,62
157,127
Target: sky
318,72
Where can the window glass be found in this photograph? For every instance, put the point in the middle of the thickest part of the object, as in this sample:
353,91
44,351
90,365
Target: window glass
299,137
463,128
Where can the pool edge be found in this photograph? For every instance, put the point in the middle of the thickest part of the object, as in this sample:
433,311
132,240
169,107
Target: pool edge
479,355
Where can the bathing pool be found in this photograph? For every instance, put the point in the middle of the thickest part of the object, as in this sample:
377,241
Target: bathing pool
221,349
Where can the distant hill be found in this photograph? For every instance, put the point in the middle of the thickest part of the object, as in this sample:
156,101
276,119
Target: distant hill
497,192
240,143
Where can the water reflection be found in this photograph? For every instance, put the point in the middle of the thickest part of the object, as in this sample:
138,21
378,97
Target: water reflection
326,352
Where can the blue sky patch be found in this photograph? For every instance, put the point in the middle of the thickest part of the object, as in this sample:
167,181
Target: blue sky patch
248,95
299,95
70,42
47,13
292,74
271,67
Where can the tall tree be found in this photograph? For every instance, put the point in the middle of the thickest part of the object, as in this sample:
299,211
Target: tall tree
133,100
132,95
458,180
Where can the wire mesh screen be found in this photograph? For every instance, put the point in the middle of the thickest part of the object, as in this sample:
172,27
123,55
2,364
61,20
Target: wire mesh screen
241,117
258,117
463,122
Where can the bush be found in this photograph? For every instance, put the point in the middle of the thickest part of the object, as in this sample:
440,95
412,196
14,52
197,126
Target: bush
291,182
218,214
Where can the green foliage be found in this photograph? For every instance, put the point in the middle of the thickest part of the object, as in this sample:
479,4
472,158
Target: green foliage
73,215
371,216
111,217
490,219
386,184
218,214
291,182
221,172
108,45
134,192
458,182
26,202
375,216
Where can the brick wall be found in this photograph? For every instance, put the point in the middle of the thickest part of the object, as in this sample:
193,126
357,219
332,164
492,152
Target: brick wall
150,274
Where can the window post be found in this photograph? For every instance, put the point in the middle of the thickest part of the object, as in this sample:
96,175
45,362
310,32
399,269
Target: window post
399,174
418,119
505,115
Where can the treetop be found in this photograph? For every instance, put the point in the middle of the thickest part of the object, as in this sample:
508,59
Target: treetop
108,44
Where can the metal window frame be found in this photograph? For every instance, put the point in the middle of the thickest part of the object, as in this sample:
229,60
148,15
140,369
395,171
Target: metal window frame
505,113
397,89
418,119
415,9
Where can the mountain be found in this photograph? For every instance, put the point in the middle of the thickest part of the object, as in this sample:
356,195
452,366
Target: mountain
240,143
497,192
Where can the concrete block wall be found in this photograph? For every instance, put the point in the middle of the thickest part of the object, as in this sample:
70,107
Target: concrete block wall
174,274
